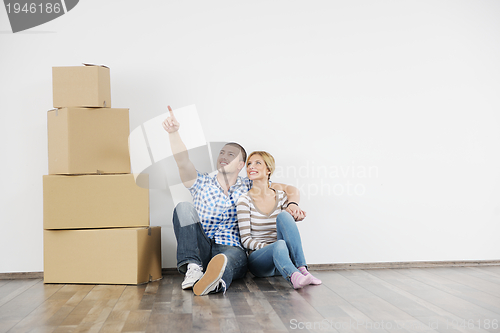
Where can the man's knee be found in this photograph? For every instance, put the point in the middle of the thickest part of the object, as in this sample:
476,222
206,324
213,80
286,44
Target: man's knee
184,208
185,214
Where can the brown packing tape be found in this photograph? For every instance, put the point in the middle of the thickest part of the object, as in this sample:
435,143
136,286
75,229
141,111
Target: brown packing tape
94,174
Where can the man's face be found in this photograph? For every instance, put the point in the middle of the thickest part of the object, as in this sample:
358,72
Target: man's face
229,159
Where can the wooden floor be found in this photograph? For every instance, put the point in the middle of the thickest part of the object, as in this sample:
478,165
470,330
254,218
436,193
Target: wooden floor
455,299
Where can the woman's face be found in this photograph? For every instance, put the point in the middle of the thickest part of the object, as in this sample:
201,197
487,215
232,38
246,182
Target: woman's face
256,168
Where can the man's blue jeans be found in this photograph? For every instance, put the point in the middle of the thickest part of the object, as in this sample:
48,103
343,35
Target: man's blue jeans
193,245
281,257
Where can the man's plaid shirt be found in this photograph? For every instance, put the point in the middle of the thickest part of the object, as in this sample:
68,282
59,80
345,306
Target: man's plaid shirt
217,211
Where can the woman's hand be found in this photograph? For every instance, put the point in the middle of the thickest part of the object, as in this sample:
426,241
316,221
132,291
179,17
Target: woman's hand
297,213
171,124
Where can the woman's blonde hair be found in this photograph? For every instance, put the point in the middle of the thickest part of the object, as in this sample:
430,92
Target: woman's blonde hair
268,159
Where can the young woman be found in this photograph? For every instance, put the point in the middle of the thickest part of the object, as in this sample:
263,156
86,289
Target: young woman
267,231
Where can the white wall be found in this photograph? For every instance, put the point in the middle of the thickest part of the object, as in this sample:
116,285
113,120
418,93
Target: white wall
405,91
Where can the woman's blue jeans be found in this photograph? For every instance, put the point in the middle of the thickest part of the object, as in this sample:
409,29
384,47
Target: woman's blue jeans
282,256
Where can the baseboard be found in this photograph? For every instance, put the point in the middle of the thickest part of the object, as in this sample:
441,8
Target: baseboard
402,264
169,271
385,265
21,275
318,267
39,275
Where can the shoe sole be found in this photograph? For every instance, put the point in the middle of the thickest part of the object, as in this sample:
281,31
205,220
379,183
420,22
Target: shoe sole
213,274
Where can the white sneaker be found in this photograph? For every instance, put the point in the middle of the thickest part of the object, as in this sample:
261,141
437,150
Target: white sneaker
193,274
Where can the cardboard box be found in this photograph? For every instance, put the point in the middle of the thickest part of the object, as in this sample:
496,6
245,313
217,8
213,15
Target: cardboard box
86,141
94,201
102,256
81,86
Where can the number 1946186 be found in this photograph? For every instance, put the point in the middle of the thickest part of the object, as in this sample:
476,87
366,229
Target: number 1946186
33,8
473,324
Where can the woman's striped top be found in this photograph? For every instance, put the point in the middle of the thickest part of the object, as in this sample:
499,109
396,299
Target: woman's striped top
256,228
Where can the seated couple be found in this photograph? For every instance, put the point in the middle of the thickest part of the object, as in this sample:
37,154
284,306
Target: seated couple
209,251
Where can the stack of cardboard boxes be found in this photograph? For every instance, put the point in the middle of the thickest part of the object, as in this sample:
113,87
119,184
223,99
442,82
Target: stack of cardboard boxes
95,218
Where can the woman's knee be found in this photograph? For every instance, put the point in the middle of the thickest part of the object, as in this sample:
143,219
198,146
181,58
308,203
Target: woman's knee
285,216
285,220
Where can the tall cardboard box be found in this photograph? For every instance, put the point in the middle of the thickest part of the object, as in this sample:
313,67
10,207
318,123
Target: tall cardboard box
81,86
102,256
94,201
86,141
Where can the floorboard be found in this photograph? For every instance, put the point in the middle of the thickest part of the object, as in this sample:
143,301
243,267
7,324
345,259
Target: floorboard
439,299
13,288
452,310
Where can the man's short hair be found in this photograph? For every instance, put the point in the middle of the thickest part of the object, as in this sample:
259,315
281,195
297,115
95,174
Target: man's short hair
237,145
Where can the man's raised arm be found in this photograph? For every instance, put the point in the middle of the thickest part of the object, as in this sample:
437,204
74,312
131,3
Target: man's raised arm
187,171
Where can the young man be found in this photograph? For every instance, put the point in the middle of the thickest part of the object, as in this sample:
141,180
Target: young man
207,232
